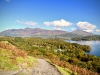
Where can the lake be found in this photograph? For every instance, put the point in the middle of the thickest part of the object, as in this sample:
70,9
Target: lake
95,45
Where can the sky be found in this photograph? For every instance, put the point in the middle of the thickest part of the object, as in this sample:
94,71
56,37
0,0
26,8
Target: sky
67,15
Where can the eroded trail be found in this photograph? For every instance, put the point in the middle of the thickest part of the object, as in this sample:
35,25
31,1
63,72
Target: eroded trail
44,68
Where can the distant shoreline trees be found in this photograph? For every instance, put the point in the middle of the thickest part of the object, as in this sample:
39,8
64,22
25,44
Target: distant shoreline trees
87,38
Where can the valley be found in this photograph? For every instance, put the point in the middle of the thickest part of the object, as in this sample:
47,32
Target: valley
68,56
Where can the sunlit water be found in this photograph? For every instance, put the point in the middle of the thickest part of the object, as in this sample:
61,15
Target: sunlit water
95,45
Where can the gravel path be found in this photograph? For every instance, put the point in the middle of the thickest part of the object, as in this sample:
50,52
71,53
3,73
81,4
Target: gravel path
44,68
41,68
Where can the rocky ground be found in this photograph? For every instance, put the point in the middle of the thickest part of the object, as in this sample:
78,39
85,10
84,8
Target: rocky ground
42,68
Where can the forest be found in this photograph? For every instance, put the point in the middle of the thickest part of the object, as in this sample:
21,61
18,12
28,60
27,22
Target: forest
60,52
87,38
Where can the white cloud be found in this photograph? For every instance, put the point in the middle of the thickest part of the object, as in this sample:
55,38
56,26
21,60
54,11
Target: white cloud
58,23
73,29
57,28
97,30
88,30
86,26
48,23
30,23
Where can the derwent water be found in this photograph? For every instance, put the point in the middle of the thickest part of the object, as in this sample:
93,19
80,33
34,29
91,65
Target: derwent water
95,45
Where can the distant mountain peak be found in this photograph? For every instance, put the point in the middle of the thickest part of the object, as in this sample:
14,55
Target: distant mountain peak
28,28
81,32
30,32
41,32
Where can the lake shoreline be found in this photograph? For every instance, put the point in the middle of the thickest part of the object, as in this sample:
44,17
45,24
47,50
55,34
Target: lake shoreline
95,46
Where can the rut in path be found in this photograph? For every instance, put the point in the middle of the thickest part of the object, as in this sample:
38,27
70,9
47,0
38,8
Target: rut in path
44,68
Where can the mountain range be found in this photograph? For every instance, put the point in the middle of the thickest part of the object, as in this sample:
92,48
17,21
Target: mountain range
42,32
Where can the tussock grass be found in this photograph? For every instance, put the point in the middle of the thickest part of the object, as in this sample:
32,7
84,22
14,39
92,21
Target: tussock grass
5,61
29,60
11,57
64,71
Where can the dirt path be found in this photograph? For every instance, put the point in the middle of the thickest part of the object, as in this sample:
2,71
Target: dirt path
44,68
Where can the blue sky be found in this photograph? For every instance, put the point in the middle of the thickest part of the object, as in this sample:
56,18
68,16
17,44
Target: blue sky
68,15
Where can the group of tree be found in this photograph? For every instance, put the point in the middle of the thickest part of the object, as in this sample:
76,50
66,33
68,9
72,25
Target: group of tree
60,52
87,38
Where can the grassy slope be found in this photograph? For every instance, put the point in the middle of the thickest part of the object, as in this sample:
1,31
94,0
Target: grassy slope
64,71
9,62
71,67
11,57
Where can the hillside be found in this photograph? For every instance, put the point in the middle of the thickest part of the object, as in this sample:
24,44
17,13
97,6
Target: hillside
37,32
83,33
68,35
14,60
31,32
66,55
